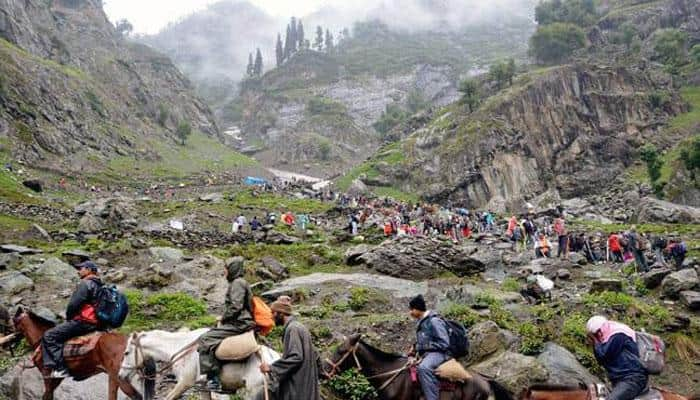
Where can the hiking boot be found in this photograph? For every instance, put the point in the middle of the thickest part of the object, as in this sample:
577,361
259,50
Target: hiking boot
59,374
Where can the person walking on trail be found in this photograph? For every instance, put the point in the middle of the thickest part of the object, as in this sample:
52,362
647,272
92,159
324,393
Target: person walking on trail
432,343
615,348
635,245
236,320
563,237
295,375
81,319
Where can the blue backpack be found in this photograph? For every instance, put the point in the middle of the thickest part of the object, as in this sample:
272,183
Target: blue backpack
111,307
459,342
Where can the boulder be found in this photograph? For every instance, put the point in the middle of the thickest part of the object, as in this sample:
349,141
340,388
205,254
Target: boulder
274,237
653,210
564,274
41,232
79,255
578,258
34,184
563,367
606,285
485,339
513,370
357,188
691,299
90,224
9,260
56,270
278,270
14,282
655,276
675,283
30,386
420,258
212,198
13,248
353,253
166,254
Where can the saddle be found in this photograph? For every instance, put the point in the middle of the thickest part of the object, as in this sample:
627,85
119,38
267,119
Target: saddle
81,345
601,392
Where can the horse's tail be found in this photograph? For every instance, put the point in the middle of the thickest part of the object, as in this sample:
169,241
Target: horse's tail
149,383
499,392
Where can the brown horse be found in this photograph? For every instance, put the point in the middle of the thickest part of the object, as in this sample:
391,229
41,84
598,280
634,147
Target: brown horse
390,374
555,392
105,357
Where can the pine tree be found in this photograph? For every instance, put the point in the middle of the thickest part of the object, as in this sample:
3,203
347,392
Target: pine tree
318,43
250,67
329,42
293,39
279,51
258,67
287,43
300,35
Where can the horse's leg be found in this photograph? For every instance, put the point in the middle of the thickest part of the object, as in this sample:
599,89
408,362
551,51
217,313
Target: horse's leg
129,390
113,386
186,374
50,386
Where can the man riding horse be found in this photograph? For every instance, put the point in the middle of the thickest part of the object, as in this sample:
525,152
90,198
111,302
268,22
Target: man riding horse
81,319
432,344
236,320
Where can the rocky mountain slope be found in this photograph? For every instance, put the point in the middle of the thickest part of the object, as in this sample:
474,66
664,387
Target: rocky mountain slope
570,129
320,109
77,97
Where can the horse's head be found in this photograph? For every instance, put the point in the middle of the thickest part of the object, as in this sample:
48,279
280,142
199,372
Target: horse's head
343,358
136,366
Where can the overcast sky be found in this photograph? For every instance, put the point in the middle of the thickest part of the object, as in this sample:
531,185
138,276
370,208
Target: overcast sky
149,16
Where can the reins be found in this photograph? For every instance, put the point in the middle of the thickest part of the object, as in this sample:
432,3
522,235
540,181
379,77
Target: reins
393,374
139,370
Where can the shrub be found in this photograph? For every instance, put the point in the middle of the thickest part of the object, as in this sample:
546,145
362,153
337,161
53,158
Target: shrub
532,337
470,93
359,297
554,43
659,99
670,46
510,285
95,103
690,155
461,313
324,106
352,385
165,309
163,115
650,155
392,116
579,12
502,73
184,130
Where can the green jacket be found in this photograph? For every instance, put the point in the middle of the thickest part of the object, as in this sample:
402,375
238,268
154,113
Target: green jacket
238,314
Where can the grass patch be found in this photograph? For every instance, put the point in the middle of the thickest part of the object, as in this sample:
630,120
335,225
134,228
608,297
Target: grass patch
12,190
165,310
691,94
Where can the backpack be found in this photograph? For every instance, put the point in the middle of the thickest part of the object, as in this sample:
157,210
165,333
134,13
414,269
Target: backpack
111,306
459,343
651,352
262,314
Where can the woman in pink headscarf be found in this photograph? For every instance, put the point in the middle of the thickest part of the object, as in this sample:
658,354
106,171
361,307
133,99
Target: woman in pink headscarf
615,348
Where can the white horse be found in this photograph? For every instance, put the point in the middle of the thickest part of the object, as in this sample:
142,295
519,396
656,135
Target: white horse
179,351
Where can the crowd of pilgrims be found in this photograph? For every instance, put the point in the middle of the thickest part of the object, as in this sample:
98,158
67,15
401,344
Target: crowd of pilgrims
527,232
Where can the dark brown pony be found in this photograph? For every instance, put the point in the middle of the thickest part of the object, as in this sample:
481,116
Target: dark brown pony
105,357
391,378
555,392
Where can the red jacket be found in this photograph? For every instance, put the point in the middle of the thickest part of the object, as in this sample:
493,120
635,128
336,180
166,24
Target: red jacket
614,243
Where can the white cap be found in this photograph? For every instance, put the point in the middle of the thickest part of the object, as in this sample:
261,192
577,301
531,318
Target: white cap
595,323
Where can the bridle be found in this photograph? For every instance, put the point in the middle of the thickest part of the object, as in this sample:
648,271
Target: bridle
352,351
139,368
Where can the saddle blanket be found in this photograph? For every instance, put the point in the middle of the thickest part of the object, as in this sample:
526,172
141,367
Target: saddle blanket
81,345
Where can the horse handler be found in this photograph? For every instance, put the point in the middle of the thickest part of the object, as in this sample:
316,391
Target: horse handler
295,375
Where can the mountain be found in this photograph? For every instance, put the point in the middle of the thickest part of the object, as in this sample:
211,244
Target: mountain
568,131
318,112
76,97
211,46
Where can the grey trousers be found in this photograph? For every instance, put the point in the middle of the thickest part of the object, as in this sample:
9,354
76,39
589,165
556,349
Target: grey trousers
54,338
429,382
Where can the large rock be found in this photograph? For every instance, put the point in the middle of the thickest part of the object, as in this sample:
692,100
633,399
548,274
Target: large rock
56,270
420,258
655,276
34,184
691,299
278,270
274,237
513,370
352,254
90,224
563,367
398,288
30,386
13,248
675,283
166,254
14,282
606,285
357,188
212,198
485,339
654,210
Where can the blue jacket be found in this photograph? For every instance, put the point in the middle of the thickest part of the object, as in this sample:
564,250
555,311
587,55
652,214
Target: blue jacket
620,357
431,335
